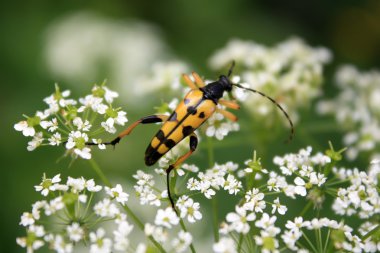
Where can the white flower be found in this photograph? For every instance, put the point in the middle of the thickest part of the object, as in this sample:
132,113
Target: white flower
48,184
106,208
121,119
290,237
99,244
35,142
254,200
91,186
77,141
82,126
182,242
24,127
59,245
108,125
166,218
95,103
232,185
297,224
300,186
117,193
76,184
109,95
54,205
121,236
146,195
75,232
159,233
317,179
225,245
239,220
55,139
190,209
265,222
281,209
27,219
52,125
218,128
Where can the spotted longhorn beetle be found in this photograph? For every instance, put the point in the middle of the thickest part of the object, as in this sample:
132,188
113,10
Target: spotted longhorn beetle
196,107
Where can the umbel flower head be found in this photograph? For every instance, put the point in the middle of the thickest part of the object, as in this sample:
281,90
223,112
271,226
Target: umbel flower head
73,122
69,215
356,108
290,72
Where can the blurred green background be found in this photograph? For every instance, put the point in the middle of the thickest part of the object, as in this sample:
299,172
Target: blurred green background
190,30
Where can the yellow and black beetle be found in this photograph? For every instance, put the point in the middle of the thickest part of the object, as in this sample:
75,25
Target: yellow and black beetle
196,107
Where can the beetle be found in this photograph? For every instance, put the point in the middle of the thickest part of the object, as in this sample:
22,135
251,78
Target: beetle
199,104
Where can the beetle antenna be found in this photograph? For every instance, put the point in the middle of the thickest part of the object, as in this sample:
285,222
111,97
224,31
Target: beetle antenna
231,69
277,104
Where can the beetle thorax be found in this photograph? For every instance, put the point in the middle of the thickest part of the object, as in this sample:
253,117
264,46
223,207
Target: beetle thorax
215,90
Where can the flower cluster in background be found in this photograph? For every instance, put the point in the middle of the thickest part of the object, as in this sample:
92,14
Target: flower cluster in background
82,45
356,108
73,123
291,72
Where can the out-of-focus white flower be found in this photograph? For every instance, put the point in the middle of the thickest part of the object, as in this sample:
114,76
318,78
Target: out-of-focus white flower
225,245
99,243
239,220
290,72
356,108
79,46
166,218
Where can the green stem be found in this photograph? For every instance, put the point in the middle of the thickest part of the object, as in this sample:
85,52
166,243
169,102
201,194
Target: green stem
240,243
129,212
184,229
327,240
309,242
214,202
371,232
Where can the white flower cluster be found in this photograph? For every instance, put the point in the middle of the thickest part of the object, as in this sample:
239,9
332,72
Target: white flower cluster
166,220
356,108
304,167
290,72
342,234
81,45
67,121
219,176
70,203
361,197
217,125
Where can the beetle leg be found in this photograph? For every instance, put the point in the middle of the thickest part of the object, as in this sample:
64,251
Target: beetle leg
198,80
144,120
227,114
230,104
193,146
189,82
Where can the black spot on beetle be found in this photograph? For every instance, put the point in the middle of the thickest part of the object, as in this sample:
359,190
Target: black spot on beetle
151,156
170,143
160,135
192,110
187,130
201,115
173,117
